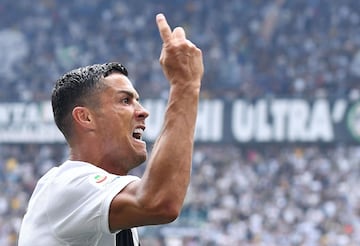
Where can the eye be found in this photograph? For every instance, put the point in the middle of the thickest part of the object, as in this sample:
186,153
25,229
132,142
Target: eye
125,100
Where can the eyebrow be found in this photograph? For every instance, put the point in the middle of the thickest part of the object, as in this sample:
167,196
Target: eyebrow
129,93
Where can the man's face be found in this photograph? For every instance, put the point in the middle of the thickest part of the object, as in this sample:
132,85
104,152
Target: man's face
120,122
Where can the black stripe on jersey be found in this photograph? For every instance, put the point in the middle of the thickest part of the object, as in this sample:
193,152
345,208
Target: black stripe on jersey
125,238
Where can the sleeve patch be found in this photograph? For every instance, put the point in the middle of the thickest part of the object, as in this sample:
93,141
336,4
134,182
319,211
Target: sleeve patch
99,179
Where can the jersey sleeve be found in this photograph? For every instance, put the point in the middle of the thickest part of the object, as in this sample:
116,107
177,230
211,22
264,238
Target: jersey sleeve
79,202
112,190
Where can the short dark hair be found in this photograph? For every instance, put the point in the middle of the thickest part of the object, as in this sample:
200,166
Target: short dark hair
75,87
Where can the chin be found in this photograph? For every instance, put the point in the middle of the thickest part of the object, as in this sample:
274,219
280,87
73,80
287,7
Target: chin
139,159
143,158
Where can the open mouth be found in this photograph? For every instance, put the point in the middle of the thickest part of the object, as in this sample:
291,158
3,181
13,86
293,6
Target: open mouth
138,133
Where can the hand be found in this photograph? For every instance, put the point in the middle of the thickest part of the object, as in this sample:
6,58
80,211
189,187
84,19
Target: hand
180,59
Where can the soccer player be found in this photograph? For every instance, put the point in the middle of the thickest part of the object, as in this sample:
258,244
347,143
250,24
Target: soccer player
90,199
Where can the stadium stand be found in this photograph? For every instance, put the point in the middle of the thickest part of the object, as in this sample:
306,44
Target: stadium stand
240,194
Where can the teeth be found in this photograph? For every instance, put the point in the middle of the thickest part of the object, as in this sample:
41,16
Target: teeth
139,131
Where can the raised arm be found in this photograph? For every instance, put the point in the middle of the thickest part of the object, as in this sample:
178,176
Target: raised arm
158,197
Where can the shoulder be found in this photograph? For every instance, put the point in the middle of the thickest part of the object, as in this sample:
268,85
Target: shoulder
81,177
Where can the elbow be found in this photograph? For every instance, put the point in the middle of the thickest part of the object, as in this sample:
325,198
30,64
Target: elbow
169,212
161,207
164,212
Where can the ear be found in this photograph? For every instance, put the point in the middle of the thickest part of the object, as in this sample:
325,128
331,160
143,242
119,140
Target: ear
82,116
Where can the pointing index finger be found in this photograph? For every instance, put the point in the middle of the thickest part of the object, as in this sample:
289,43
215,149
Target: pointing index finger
164,28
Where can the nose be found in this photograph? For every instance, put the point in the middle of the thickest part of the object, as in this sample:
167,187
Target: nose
141,112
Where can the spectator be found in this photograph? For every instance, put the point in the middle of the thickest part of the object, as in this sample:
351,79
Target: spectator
249,196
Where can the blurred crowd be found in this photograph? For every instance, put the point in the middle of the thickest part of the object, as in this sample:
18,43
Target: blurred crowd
239,195
251,48
268,196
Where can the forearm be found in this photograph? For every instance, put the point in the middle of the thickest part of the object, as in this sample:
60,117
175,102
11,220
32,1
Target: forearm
167,175
166,178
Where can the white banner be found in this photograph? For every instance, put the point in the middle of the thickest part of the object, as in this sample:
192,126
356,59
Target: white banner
260,121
